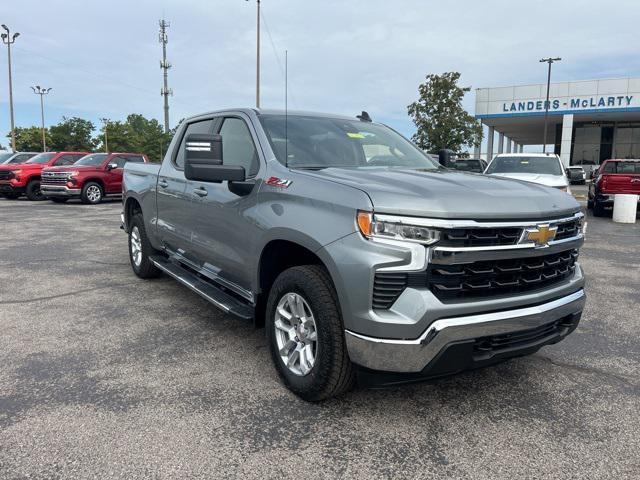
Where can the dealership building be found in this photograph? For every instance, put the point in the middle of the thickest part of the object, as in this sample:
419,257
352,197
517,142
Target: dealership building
588,121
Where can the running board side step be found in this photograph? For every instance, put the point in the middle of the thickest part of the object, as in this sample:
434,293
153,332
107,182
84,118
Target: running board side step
206,290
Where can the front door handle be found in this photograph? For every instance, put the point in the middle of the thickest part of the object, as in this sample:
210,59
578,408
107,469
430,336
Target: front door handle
163,183
201,192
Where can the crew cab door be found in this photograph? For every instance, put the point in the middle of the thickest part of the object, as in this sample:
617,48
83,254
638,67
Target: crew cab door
113,176
221,239
174,207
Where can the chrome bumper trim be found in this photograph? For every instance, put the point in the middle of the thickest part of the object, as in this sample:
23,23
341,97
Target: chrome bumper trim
415,354
59,191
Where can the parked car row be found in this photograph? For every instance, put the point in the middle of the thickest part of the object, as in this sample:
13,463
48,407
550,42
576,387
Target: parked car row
60,176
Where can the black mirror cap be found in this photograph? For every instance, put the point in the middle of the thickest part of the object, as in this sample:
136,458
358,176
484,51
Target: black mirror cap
445,157
204,171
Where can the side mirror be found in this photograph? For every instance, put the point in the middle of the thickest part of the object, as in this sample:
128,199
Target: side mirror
111,166
203,160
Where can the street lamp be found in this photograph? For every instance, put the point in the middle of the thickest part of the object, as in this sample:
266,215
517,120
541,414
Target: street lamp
8,40
257,54
105,121
42,92
546,103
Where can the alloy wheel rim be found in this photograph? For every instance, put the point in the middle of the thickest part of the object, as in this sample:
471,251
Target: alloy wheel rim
296,334
93,193
136,247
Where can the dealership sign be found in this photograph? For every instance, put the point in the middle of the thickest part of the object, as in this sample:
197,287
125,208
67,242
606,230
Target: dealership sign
576,103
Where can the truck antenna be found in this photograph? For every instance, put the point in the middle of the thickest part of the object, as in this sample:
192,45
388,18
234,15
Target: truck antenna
286,109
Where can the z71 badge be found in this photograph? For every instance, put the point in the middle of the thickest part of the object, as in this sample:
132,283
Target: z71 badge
278,182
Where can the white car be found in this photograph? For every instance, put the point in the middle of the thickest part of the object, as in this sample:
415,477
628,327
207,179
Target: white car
543,168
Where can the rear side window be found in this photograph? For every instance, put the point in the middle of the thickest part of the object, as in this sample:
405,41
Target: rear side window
622,167
237,145
204,126
66,160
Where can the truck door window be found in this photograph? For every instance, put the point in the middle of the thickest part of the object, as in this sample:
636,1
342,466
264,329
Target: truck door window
204,126
120,161
237,145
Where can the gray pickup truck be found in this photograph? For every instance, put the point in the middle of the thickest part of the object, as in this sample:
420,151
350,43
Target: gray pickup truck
363,258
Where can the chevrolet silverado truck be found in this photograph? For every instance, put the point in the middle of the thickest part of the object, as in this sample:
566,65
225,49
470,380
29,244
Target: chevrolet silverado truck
91,178
614,176
364,259
24,178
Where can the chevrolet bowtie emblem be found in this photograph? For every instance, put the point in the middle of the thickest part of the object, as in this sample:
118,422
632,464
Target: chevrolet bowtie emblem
540,235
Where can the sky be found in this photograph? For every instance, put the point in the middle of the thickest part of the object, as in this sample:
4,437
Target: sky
101,59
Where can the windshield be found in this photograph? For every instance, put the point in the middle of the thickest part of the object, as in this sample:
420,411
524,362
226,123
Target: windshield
5,156
94,159
539,165
41,158
318,142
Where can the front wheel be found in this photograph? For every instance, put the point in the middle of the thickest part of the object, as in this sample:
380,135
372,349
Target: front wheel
33,191
91,193
306,334
140,249
598,209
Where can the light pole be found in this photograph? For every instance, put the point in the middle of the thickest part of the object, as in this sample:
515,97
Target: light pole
546,103
257,54
105,121
9,39
42,92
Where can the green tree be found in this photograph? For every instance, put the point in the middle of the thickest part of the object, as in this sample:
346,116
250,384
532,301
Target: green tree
438,114
136,134
29,139
72,134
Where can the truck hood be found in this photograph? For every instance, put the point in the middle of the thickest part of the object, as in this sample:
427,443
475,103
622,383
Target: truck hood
542,179
23,166
73,168
454,195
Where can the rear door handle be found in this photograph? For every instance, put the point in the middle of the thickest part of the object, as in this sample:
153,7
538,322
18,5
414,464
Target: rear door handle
163,183
201,192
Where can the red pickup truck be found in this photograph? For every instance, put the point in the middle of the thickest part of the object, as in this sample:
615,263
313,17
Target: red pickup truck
91,178
613,176
24,178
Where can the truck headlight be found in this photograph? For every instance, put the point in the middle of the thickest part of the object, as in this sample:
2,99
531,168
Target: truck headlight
372,227
15,175
73,174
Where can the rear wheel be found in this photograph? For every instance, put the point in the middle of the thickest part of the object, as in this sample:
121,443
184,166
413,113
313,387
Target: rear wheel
91,193
598,209
306,334
140,249
33,190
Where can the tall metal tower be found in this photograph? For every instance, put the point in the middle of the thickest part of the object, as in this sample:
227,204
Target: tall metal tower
165,66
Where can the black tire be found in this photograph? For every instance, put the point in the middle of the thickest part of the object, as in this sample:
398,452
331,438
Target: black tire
33,191
144,267
58,200
92,193
332,372
598,209
12,195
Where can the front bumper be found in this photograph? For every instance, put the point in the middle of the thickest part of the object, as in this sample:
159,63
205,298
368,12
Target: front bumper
11,189
59,191
453,344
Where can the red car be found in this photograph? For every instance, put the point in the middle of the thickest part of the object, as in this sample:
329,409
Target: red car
24,178
613,176
91,178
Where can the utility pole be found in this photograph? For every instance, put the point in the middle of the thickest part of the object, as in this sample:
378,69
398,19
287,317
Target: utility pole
165,66
257,54
546,103
8,40
105,121
42,92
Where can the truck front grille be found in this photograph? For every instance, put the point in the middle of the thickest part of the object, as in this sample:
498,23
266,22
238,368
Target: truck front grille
477,279
54,178
499,277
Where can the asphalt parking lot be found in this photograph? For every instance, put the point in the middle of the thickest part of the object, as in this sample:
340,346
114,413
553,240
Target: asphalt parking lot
104,375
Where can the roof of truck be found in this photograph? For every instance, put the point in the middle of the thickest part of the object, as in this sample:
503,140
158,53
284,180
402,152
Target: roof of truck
269,111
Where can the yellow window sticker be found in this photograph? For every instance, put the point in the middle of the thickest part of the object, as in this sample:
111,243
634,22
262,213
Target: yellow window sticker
355,135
